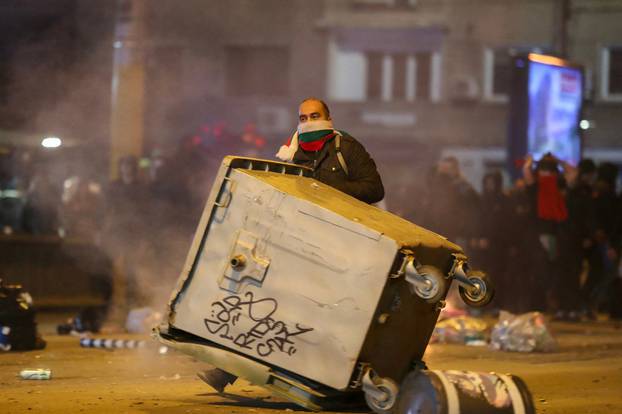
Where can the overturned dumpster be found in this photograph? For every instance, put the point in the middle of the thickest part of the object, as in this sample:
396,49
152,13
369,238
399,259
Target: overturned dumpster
308,292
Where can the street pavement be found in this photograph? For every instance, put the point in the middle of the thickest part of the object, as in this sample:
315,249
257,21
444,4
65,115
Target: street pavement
584,376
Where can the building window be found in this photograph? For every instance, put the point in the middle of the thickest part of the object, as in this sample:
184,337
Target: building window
346,74
252,71
498,71
611,75
401,80
385,65
423,80
401,77
374,75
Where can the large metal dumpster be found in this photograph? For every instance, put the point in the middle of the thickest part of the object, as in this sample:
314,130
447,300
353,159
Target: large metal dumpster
309,292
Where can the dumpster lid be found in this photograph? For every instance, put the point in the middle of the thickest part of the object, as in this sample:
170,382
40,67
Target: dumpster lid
405,233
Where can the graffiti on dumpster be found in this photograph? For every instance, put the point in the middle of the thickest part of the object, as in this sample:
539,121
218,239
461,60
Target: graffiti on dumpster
254,317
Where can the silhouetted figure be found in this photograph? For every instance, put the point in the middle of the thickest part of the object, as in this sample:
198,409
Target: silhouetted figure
12,196
578,242
526,258
546,185
452,204
42,204
604,257
125,237
492,241
82,211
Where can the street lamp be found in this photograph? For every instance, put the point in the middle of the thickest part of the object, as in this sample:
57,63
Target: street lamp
51,142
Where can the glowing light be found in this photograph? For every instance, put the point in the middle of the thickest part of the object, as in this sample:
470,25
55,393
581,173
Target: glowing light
51,142
547,60
584,124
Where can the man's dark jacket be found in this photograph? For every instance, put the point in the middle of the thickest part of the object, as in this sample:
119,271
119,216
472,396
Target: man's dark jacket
362,182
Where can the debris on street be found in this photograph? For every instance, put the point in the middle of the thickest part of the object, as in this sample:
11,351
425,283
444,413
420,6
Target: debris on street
460,330
88,320
109,343
522,333
173,377
36,374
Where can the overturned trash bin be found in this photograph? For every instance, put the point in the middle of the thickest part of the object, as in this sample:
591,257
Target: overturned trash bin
447,392
308,292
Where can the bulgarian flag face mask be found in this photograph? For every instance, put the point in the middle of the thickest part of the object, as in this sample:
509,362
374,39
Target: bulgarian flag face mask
313,130
310,135
313,134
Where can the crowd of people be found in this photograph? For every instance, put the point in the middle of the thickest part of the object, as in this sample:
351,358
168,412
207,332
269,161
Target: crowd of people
550,243
142,222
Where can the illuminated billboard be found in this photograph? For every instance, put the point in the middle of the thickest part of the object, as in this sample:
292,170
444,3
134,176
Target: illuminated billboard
545,109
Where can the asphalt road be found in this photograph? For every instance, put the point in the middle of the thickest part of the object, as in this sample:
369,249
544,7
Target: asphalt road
584,376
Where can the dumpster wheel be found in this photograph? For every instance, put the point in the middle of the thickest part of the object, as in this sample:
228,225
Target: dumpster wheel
482,293
380,393
426,281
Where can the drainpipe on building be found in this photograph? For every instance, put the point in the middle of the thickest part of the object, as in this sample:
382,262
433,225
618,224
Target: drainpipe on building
126,126
562,16
128,83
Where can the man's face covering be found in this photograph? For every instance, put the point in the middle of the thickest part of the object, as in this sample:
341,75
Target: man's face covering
314,128
314,123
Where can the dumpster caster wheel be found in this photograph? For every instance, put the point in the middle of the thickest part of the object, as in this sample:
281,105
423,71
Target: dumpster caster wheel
427,282
380,393
482,292
390,389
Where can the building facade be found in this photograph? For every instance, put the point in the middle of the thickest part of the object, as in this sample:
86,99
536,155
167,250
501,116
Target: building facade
413,79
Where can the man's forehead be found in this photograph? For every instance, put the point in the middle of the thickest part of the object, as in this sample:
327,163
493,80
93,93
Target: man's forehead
310,106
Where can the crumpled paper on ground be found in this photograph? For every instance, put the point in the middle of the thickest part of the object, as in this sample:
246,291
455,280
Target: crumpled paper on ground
460,330
526,332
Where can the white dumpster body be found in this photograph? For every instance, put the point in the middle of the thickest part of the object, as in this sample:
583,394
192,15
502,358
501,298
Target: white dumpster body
290,272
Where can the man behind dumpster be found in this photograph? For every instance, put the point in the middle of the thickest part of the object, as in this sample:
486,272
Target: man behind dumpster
337,158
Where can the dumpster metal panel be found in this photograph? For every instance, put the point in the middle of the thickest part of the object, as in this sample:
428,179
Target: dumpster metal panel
291,303
358,213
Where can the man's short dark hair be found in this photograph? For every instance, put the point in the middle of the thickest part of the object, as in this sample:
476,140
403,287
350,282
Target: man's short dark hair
320,101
